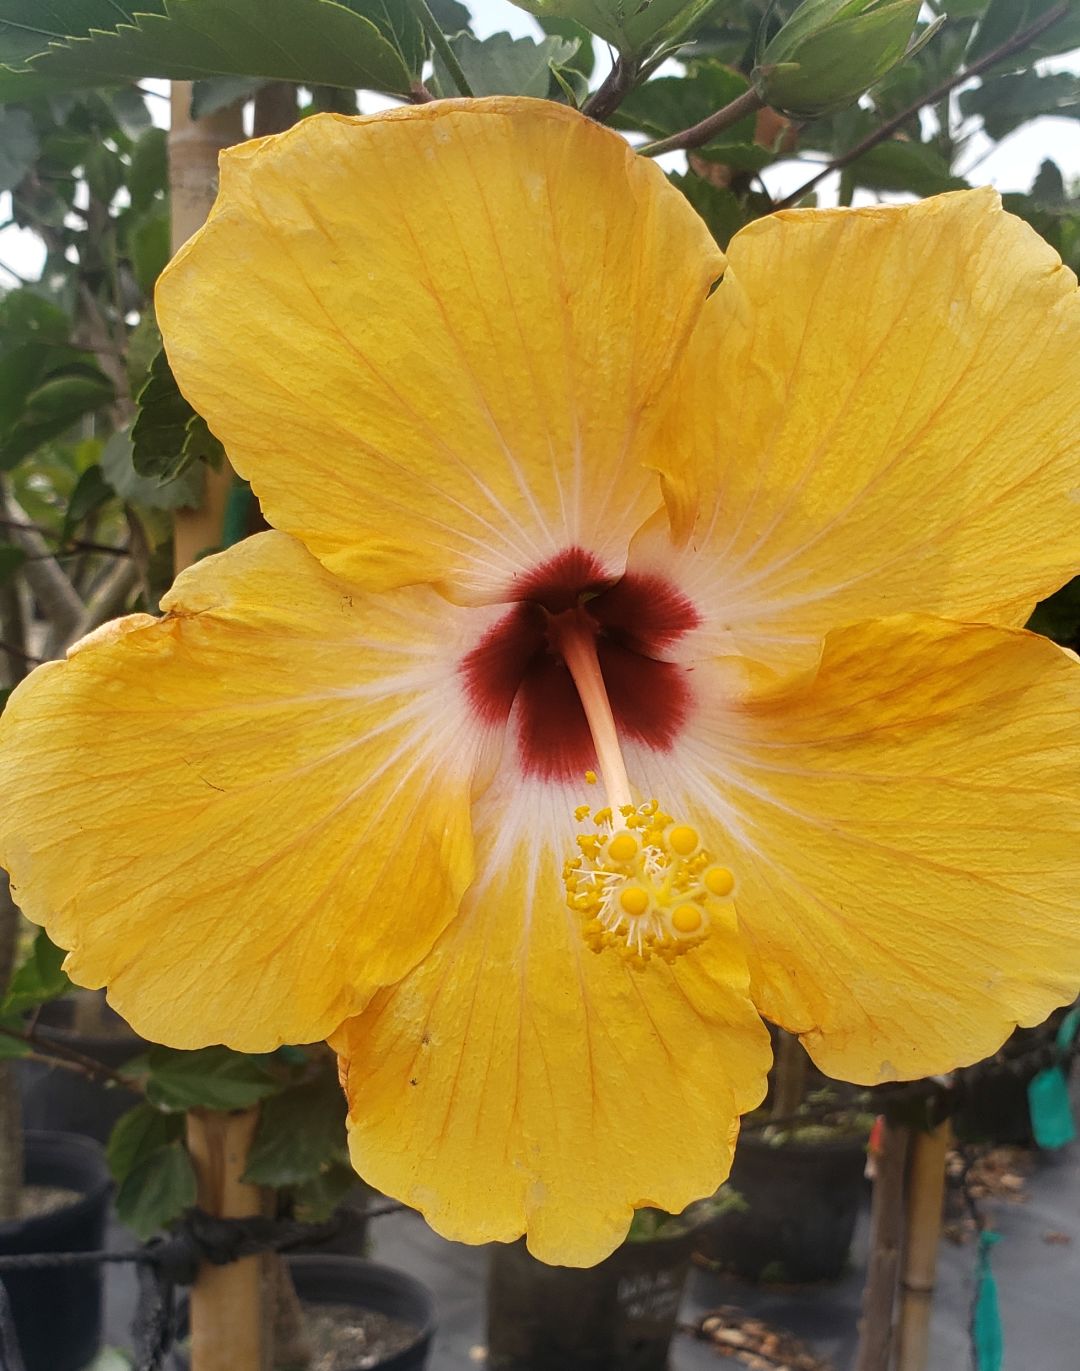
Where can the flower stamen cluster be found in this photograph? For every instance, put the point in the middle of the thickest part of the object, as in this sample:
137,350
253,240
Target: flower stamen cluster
642,882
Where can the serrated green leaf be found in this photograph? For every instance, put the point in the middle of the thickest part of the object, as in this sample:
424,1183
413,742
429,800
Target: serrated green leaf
160,430
137,1134
1004,19
38,979
90,493
157,1191
898,166
11,559
720,208
18,146
502,65
632,26
208,1078
1006,102
218,92
28,26
307,41
451,16
300,1132
149,492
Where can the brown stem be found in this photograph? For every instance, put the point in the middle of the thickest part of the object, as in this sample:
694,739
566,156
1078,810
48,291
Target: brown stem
1016,43
616,86
275,108
749,102
791,1071
59,1054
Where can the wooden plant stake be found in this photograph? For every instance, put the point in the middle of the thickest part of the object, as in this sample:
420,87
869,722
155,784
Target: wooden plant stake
194,145
226,1301
926,1195
876,1326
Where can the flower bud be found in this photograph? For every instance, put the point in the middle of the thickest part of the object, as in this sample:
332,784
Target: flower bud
831,51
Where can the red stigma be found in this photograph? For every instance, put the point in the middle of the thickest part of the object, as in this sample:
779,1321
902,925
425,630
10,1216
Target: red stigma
517,662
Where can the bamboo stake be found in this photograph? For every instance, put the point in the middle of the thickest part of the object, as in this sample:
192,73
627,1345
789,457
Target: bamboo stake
194,145
877,1324
226,1301
792,1069
926,1194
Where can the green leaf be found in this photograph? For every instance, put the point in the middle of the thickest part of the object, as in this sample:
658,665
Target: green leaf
68,394
1004,19
635,27
308,41
315,1200
1048,188
451,16
300,1131
28,26
1006,102
1058,616
157,1191
183,491
18,146
897,166
38,979
160,436
209,1078
502,65
137,1134
149,247
721,209
148,174
90,493
11,559
218,92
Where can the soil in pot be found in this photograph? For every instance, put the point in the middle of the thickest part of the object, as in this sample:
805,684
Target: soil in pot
69,1186
358,1316
56,1099
620,1313
800,1202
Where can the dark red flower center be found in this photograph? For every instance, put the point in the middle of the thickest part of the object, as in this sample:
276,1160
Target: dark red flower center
517,662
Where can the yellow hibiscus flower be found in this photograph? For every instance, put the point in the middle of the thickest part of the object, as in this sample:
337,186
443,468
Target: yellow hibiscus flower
559,488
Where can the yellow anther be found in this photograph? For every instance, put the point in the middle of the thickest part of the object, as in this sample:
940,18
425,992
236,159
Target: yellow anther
623,846
634,900
719,882
688,918
590,778
643,888
683,839
582,812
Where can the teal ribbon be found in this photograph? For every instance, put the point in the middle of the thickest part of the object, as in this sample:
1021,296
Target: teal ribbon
1052,1122
986,1336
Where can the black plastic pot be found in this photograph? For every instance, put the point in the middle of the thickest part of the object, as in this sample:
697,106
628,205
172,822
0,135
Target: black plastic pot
55,1098
365,1285
57,1311
619,1314
802,1200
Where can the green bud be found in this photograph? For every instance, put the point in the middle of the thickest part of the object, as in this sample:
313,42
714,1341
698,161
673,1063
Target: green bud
831,51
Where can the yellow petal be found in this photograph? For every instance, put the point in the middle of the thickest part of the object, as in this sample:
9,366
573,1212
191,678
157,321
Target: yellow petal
518,1082
244,816
878,415
905,828
431,339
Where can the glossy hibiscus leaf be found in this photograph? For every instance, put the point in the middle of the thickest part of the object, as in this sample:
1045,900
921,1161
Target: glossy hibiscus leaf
1004,19
139,1133
300,1132
632,26
38,979
208,1078
501,65
309,41
157,1190
898,166
27,27
1005,102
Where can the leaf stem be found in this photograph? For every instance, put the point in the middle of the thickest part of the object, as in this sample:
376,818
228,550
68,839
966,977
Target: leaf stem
613,90
749,102
1015,44
439,42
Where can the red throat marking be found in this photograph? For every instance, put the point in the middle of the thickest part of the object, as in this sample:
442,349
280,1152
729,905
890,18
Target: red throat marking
517,662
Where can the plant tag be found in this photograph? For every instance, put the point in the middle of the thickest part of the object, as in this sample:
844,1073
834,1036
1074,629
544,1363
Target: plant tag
1052,1120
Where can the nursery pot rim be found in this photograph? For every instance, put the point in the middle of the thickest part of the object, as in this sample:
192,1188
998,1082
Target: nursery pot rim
44,1141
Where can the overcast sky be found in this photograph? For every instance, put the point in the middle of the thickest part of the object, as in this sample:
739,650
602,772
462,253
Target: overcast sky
1009,166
